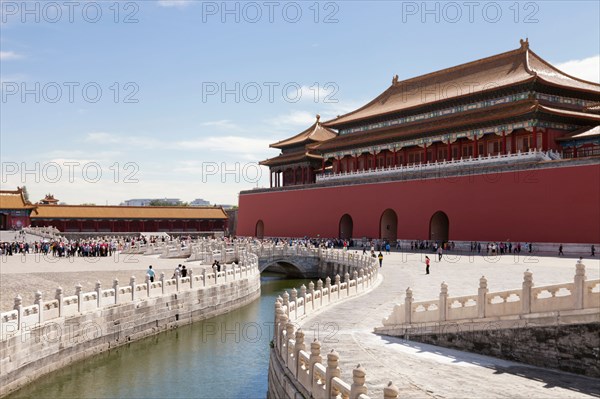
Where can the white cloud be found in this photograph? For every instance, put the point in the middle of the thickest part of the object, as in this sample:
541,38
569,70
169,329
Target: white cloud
292,120
248,148
244,147
9,56
102,137
222,124
125,141
586,68
174,3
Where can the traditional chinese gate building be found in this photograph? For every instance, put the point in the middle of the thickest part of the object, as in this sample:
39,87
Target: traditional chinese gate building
505,147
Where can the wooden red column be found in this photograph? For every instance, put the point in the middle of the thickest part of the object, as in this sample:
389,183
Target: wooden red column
545,140
476,149
323,166
504,142
534,140
270,179
302,175
513,142
395,158
449,155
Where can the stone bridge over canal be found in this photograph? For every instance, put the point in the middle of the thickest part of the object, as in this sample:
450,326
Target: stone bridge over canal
295,261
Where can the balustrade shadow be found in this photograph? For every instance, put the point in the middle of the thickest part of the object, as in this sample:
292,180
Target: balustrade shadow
550,378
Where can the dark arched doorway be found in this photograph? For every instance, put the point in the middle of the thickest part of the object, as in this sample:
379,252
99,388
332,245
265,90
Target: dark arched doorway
388,225
260,229
346,226
439,227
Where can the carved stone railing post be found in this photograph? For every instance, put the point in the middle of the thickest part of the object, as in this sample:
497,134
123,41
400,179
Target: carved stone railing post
132,285
177,279
526,292
148,285
116,289
216,274
19,308
361,274
98,293
347,280
298,346
294,296
482,297
338,283
162,282
443,305
289,335
191,276
283,321
391,391
59,297
315,357
278,313
311,291
303,296
286,302
328,286
40,303
408,300
355,278
78,290
579,286
204,277
332,371
358,382
294,299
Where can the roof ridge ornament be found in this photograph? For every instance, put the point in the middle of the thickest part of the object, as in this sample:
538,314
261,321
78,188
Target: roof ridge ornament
318,118
524,43
395,80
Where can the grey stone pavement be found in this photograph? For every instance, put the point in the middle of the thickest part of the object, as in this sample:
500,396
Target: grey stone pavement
421,370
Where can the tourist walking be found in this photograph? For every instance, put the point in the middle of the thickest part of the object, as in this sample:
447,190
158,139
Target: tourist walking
593,250
560,250
150,273
183,271
427,264
380,257
440,251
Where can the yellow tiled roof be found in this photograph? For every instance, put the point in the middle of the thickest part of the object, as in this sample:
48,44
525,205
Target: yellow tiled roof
126,212
13,200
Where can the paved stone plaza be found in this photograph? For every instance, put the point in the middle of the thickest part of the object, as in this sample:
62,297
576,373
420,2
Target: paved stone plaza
421,370
25,274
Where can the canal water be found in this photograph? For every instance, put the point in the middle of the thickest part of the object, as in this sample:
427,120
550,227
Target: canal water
223,357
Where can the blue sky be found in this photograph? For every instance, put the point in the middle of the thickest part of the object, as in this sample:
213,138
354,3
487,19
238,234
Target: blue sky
107,101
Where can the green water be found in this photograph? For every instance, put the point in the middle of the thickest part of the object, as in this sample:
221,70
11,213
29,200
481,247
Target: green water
223,357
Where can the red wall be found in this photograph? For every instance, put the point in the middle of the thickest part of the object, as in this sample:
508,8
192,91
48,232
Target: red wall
543,205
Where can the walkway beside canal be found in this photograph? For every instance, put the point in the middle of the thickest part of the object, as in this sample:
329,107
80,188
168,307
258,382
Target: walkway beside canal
421,370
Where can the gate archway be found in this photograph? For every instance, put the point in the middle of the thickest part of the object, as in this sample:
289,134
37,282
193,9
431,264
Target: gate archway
346,227
260,229
388,225
439,227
